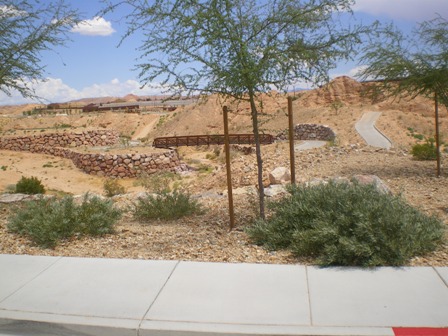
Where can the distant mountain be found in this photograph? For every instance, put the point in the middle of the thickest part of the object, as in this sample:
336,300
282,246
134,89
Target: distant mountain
128,98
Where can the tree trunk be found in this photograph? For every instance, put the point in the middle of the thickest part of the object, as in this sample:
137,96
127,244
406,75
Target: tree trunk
436,108
254,113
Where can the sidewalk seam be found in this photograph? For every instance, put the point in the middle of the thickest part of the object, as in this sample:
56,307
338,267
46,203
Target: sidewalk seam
440,276
32,279
309,296
155,299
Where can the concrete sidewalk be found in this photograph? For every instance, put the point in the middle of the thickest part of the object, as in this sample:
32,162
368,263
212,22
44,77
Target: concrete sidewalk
82,296
371,135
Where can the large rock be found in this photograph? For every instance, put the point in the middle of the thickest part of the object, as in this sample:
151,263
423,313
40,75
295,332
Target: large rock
375,180
12,198
280,175
361,179
274,190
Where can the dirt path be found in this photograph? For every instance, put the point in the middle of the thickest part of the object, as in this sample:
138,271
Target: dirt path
141,133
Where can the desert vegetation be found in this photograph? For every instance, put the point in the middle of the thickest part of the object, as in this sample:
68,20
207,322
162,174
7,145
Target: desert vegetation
143,230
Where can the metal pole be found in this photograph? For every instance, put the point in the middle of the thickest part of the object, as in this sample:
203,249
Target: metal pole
437,134
229,176
292,159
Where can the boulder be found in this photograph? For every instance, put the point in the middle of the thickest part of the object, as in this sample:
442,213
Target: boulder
280,175
274,190
375,180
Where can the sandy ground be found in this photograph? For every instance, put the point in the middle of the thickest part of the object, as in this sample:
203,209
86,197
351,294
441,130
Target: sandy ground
206,237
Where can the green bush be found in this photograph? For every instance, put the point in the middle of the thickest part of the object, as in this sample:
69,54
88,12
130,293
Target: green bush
30,185
47,221
426,151
112,187
159,182
97,217
166,205
347,224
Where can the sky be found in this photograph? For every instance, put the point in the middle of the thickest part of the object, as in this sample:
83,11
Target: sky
92,65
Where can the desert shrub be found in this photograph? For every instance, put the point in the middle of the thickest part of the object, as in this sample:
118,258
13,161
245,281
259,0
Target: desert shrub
47,221
30,185
166,205
112,187
426,151
347,224
96,216
159,182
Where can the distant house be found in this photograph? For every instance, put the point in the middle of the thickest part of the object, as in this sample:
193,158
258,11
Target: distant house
53,106
90,108
126,107
136,107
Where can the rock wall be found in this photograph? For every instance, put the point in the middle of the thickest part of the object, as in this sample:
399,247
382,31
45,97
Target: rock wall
119,165
309,132
128,165
42,143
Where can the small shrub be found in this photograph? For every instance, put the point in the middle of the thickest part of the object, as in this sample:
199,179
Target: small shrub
419,136
45,221
48,221
347,224
166,206
112,187
97,217
159,182
426,151
205,169
30,185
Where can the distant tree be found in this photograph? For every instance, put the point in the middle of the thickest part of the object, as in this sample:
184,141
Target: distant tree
27,28
412,65
239,48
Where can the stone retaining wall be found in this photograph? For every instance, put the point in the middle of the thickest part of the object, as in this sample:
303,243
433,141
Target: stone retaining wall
128,165
310,132
118,165
43,142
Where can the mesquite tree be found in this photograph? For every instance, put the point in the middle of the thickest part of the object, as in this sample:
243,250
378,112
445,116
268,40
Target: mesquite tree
239,48
412,65
27,28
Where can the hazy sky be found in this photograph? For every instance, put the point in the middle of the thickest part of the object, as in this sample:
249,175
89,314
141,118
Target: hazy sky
91,65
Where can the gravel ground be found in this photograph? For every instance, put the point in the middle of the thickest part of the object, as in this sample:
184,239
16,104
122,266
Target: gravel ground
207,237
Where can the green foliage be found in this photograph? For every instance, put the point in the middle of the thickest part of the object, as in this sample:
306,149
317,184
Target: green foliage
48,221
30,185
241,48
166,206
347,224
158,182
29,28
421,70
96,217
426,151
112,187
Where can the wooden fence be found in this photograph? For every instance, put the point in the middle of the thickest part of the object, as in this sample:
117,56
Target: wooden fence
201,140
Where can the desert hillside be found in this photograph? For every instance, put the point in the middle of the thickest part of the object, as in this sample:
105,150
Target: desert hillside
339,105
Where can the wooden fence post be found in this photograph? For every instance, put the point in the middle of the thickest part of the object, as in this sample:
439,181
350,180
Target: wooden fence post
229,176
292,159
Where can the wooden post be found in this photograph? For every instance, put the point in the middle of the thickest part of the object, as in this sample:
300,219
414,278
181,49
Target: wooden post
292,159
229,176
437,134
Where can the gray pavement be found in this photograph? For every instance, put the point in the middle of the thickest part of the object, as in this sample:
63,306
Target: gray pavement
371,135
86,296
309,144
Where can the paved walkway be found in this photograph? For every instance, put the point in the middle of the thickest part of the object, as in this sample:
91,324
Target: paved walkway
309,144
366,128
85,296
